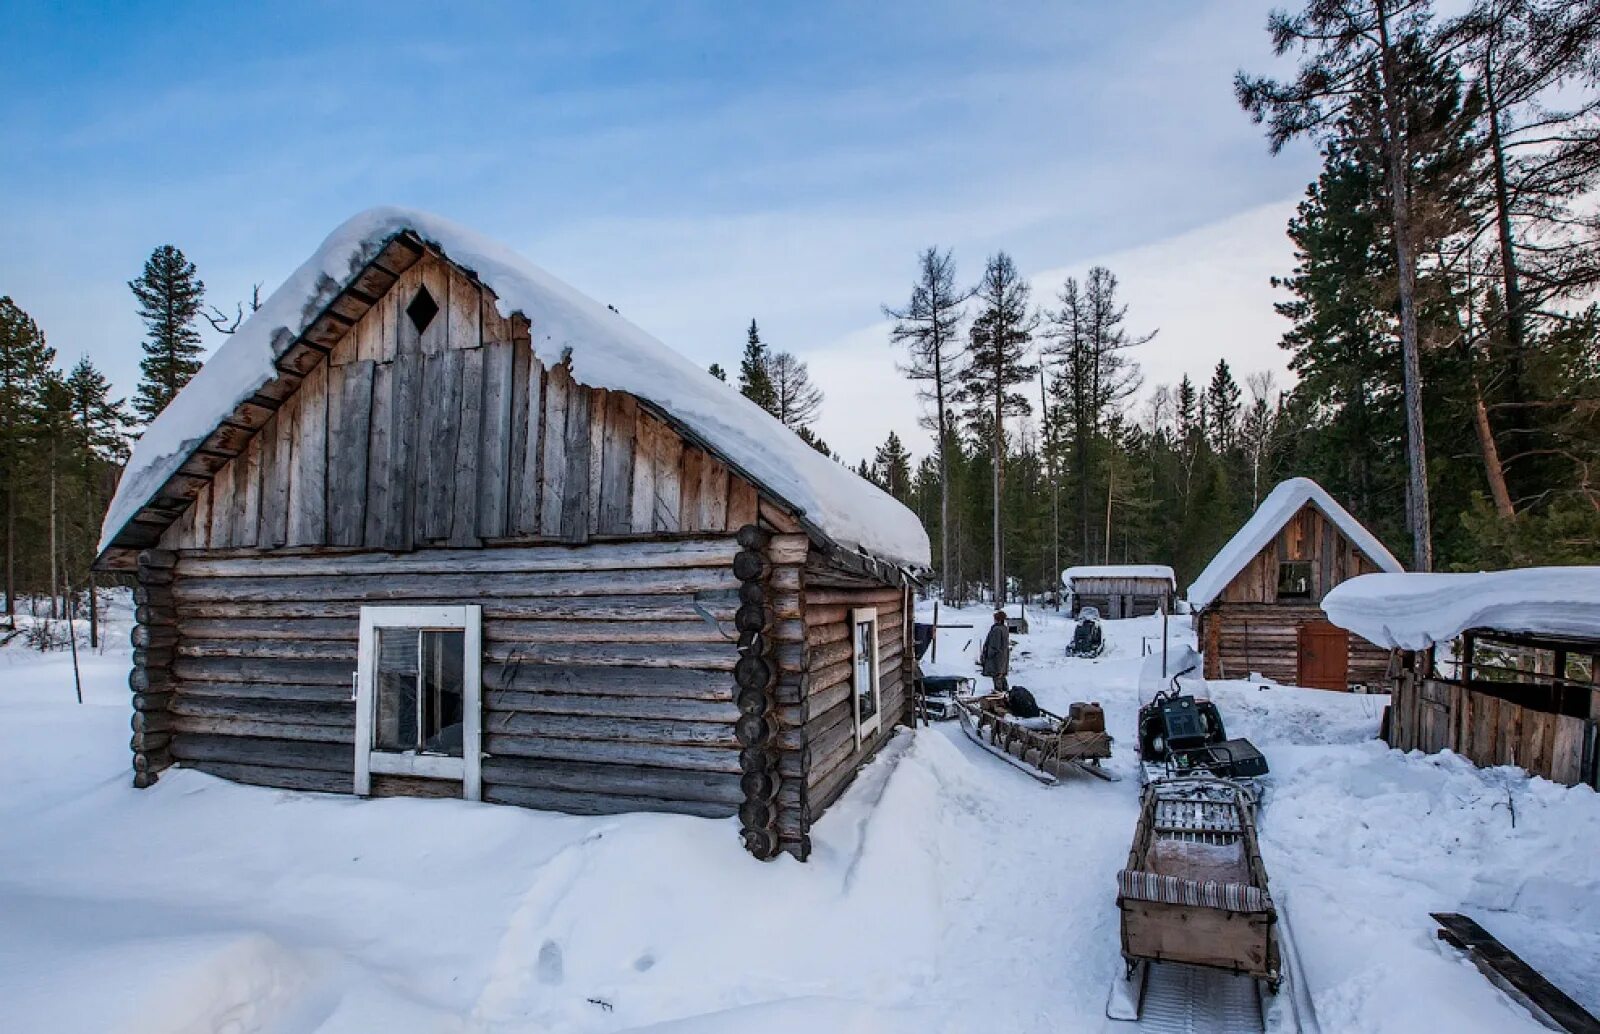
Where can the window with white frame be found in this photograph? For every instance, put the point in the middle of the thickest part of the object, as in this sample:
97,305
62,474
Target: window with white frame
864,678
419,695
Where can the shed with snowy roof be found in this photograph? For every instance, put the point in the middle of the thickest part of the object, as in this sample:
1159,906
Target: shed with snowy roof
1120,590
1257,604
433,523
1501,667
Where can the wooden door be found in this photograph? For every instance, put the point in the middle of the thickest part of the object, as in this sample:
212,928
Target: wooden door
1324,656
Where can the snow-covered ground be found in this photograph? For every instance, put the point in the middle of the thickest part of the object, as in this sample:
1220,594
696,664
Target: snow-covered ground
947,892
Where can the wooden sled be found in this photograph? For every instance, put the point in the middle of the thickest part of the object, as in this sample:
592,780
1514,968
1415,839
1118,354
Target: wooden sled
1194,889
1046,747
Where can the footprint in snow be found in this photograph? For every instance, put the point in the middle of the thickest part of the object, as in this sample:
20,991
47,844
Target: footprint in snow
549,967
644,963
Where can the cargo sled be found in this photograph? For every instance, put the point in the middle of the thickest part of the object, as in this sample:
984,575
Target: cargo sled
1013,727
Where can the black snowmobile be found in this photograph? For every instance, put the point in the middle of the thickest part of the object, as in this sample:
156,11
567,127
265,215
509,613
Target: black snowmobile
1184,735
1088,638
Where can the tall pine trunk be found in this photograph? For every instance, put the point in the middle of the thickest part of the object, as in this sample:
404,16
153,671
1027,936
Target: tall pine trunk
944,473
1417,508
996,451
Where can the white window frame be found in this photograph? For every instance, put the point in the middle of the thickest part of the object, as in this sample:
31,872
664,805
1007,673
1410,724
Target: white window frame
469,766
873,724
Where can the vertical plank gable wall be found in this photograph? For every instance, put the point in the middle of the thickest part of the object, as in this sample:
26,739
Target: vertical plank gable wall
607,669
456,436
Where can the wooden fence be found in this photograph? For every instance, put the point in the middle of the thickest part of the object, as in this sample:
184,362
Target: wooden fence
1431,715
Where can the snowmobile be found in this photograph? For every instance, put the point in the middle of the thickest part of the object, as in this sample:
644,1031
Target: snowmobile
1182,734
1088,638
937,695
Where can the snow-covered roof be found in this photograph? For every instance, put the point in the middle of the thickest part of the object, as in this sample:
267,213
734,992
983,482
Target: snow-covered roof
606,351
1274,512
1151,572
1415,611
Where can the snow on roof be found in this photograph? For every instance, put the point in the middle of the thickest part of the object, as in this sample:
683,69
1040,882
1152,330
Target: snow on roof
1274,512
1148,571
1415,611
606,352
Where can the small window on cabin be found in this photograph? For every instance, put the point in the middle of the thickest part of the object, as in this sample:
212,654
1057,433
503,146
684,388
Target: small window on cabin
1294,580
422,310
864,673
418,699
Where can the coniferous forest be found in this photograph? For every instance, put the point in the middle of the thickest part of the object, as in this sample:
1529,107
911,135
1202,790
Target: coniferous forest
1440,324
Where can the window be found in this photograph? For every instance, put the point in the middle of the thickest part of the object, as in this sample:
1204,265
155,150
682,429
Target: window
864,656
1294,579
418,693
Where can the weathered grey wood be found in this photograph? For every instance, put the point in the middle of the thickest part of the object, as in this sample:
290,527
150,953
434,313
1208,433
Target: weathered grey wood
246,468
661,608
743,503
689,486
497,475
681,683
617,556
222,510
610,730
294,712
254,669
277,778
616,476
574,803
460,586
435,337
669,450
264,730
552,748
291,649
653,707
378,455
553,488
502,630
531,427
275,521
325,694
597,435
713,495
641,518
435,486
308,485
575,498
465,310
585,777
469,445
405,422
708,656
289,754
347,475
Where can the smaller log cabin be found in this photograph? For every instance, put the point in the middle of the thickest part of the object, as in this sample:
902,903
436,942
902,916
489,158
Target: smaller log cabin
1500,667
432,523
1257,604
1120,590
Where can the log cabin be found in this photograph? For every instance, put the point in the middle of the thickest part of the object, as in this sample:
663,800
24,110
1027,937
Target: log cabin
1257,604
1120,590
1500,667
433,523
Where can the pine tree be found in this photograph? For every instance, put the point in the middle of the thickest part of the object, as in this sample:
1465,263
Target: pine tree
25,365
718,372
929,326
755,378
892,463
997,353
170,295
100,425
810,438
1222,402
795,400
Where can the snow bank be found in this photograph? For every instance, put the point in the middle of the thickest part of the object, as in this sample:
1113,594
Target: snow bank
606,352
1151,571
1274,512
1415,611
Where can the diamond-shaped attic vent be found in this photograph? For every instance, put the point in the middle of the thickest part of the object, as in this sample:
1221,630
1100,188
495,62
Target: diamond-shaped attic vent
422,310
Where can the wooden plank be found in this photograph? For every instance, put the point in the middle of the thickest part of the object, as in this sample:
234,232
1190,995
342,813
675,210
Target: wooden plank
284,754
553,748
668,463
582,803
469,447
616,556
308,486
743,503
664,783
1566,751
498,442
465,310
1548,1003
690,486
347,476
614,608
575,498
529,484
435,337
271,498
663,732
246,499
721,712
375,523
642,493
404,447
435,486
558,384
222,512
713,494
461,586
614,501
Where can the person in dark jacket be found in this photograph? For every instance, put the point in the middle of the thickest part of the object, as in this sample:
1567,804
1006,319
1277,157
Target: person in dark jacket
995,658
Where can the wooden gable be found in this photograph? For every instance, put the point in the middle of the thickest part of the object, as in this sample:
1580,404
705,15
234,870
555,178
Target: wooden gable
1310,537
411,431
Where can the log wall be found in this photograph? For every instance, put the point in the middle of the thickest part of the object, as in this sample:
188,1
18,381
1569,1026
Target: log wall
1310,536
607,669
1431,715
456,435
1241,638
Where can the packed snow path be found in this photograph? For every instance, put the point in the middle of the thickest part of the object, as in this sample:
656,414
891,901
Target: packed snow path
948,892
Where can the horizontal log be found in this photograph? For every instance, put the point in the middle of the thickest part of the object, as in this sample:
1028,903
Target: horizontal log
151,702
152,595
573,803
153,760
473,586
833,614
152,615
717,606
614,730
294,754
326,694
151,721
413,786
822,678
149,636
706,656
341,715
144,742
822,635
264,730
153,657
145,680
621,680
598,556
788,548
853,597
502,631
832,653
277,649
612,706
707,759
628,780
278,778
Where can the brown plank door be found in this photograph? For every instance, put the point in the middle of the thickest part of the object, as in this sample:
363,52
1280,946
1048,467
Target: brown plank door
1324,656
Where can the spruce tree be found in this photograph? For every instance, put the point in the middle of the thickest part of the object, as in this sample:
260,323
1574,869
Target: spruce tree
170,295
893,466
25,367
997,354
1222,402
718,372
795,400
755,377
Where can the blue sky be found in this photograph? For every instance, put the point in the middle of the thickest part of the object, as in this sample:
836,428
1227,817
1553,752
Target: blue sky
695,165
